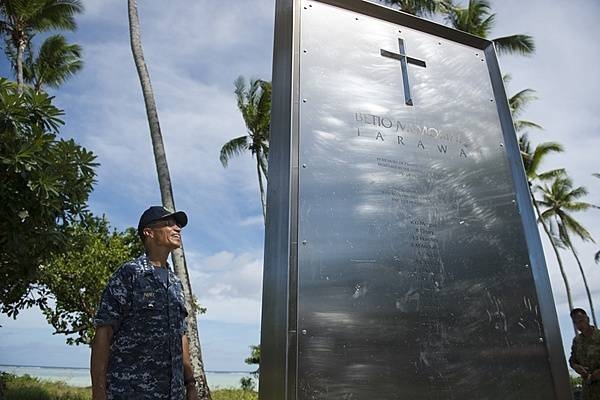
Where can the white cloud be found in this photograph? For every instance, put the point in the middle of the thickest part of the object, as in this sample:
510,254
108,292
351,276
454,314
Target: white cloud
229,285
256,220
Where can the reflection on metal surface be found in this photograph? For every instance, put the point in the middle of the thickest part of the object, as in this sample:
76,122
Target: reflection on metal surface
412,274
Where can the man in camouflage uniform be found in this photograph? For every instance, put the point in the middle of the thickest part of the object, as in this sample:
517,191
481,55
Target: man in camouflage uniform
585,354
140,350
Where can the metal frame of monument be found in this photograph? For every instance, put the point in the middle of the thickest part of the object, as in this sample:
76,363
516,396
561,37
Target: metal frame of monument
279,331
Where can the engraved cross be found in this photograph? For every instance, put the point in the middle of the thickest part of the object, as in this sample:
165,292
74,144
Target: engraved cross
404,60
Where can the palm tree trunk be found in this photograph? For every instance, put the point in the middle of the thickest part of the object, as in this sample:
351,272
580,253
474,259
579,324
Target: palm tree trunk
179,265
555,248
20,53
585,283
166,192
261,187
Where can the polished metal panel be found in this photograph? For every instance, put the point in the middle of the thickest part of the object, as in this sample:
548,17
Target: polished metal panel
414,276
536,255
278,332
402,259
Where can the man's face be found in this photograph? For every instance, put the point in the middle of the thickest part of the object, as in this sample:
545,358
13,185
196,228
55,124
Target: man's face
164,233
581,321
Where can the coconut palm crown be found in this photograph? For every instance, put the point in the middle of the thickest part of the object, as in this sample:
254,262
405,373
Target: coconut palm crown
20,20
254,102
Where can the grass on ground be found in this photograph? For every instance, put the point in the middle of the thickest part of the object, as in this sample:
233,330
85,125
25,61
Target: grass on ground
29,388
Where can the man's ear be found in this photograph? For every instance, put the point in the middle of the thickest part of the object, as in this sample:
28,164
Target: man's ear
148,232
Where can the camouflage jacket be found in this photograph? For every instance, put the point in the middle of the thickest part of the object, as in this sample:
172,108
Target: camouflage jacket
148,321
586,351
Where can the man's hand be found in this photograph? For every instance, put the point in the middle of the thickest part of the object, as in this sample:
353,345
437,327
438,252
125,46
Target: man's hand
594,376
581,370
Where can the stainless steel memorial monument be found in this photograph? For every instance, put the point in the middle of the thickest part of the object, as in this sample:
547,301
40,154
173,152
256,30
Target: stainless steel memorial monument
402,259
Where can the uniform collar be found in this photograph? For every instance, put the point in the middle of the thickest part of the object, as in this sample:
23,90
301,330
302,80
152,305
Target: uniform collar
147,265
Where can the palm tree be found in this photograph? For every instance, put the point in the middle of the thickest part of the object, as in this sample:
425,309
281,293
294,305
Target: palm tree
532,158
477,20
517,104
421,8
55,62
166,191
21,19
559,199
254,102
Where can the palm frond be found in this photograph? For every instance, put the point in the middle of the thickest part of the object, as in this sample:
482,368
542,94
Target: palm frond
56,14
515,44
56,62
520,125
421,8
559,198
552,174
520,100
572,225
233,148
474,19
578,192
541,151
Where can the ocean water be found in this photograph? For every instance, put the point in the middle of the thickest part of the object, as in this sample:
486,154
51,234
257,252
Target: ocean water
81,376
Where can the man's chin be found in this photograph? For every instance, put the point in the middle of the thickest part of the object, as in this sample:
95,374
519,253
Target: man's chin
175,246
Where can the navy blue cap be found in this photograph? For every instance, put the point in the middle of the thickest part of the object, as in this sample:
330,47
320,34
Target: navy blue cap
156,213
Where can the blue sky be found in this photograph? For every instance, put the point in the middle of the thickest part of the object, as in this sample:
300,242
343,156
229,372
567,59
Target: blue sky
194,51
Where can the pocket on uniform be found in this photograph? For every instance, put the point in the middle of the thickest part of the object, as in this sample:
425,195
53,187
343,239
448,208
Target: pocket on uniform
148,302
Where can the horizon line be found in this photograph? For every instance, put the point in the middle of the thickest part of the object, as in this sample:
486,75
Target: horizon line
58,367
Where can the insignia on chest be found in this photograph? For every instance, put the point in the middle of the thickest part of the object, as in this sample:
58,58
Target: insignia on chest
148,295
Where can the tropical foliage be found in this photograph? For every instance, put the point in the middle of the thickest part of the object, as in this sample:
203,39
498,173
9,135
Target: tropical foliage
20,20
254,102
560,199
254,357
532,159
45,184
422,8
477,19
53,64
517,103
93,253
